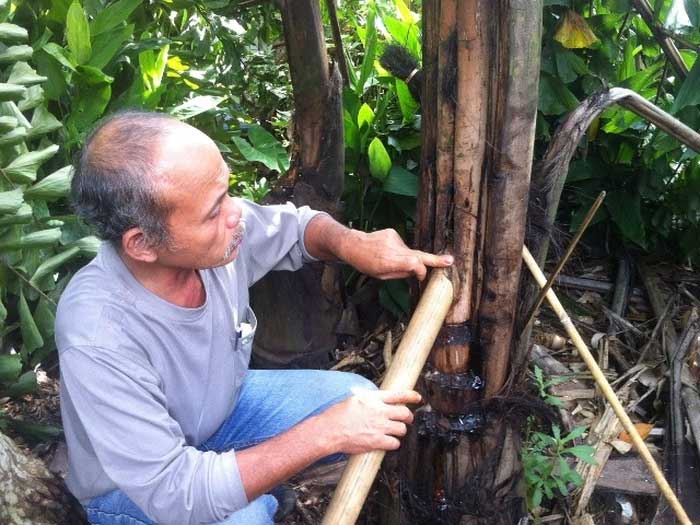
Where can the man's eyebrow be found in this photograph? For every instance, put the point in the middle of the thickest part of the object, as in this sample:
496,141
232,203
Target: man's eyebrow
217,202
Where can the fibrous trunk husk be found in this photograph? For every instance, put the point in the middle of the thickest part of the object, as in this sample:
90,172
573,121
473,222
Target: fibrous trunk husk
305,333
479,105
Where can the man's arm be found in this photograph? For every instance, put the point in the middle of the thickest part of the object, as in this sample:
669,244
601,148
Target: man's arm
367,421
381,254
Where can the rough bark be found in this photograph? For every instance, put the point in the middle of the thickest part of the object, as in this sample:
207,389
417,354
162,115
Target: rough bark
29,493
460,461
295,332
516,102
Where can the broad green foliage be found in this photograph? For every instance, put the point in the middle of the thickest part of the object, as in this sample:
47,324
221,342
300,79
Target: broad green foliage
200,61
382,127
37,238
651,179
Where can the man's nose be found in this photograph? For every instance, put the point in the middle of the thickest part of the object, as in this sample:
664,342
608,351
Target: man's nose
233,211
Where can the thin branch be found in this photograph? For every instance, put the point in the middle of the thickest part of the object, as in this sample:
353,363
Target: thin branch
666,43
338,41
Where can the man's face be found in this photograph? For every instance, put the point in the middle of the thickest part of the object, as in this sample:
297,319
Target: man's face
205,222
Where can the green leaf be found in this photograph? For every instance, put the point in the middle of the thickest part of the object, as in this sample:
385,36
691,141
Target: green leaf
365,116
36,432
33,98
89,105
407,103
42,238
689,94
112,16
554,97
692,9
8,123
196,106
407,15
352,132
152,66
401,182
59,54
575,433
583,452
23,169
88,245
16,53
78,34
626,213
14,137
379,160
10,367
43,122
106,45
54,262
53,186
22,216
23,74
628,67
31,338
26,384
13,33
264,148
370,51
11,92
404,34
10,201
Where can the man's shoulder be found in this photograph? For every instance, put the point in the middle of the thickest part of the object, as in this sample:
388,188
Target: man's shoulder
92,296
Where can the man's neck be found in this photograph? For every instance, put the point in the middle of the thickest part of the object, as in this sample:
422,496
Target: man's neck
180,286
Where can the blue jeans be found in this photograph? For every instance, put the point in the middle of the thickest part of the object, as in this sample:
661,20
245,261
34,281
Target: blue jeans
270,402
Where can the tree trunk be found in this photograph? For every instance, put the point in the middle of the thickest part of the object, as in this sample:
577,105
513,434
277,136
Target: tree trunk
30,494
460,463
296,332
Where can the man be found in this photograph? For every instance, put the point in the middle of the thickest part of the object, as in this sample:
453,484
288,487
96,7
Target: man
163,421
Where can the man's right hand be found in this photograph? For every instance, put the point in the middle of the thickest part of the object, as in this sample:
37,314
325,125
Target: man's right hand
369,420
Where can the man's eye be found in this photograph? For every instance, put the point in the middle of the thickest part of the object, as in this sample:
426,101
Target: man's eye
215,213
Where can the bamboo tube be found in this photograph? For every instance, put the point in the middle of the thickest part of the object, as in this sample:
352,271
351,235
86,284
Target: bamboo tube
607,391
416,343
445,122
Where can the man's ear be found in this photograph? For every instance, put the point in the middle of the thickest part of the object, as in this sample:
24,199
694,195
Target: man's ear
136,246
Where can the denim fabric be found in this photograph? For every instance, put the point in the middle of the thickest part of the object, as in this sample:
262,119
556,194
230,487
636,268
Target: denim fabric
270,402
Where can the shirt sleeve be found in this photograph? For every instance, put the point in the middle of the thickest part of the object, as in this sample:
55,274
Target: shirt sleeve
141,447
274,238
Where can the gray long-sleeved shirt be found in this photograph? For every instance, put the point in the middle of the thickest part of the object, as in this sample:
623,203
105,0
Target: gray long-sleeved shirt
144,382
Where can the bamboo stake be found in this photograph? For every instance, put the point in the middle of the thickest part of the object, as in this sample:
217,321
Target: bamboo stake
607,391
572,245
416,343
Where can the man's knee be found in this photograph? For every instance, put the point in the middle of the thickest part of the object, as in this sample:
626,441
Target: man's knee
352,382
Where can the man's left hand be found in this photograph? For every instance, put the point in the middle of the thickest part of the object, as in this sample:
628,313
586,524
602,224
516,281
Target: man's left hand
384,255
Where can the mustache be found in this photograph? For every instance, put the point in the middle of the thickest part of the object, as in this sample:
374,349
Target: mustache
236,240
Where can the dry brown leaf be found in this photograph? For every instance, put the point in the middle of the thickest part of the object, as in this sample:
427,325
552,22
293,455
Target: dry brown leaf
642,428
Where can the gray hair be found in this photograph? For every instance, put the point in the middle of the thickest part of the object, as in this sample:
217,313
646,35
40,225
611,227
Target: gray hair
113,187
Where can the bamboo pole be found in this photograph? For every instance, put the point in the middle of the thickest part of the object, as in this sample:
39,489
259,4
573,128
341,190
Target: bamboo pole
572,245
416,343
607,391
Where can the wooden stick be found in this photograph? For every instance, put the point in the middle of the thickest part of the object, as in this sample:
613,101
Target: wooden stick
607,391
572,245
407,364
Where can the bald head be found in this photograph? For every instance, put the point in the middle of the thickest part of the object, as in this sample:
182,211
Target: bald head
118,182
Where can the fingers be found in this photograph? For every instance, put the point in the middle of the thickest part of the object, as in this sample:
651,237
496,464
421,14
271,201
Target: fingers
400,413
404,397
435,261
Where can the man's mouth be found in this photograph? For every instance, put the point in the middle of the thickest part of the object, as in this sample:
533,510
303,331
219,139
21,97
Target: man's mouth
236,241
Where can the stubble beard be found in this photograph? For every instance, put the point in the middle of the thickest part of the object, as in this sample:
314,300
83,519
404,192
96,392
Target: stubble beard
235,242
